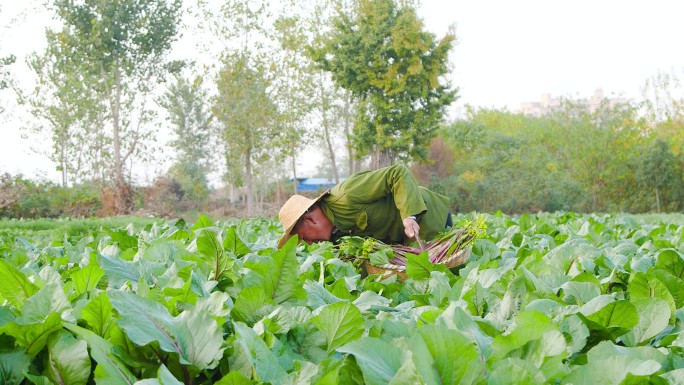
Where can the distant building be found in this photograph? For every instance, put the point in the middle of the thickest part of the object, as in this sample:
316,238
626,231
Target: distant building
547,104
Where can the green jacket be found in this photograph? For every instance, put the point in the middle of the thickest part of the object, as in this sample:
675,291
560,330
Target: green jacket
373,204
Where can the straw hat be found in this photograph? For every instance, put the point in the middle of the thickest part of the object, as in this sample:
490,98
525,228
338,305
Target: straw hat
292,210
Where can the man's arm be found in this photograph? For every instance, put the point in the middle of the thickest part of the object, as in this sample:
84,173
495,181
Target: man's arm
367,187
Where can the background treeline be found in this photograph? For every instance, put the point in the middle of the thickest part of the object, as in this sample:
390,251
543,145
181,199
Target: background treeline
613,159
219,99
610,160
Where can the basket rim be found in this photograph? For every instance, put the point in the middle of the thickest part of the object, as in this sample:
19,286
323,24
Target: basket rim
460,253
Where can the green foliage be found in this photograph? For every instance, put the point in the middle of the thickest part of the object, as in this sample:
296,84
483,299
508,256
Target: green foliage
192,178
341,322
15,287
65,106
5,77
193,336
656,170
545,298
187,104
247,116
24,198
118,51
384,57
572,159
69,359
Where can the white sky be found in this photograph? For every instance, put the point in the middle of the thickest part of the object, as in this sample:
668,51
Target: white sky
508,52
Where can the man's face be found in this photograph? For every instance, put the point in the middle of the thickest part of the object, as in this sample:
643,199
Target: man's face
313,226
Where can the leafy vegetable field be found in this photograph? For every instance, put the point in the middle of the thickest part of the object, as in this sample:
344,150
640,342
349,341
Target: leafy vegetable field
549,298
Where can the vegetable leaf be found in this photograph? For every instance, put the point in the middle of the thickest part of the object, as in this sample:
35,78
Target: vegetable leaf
252,304
202,222
14,286
433,352
278,275
611,319
263,360
341,323
110,369
68,360
33,337
234,244
379,360
654,314
49,299
87,278
419,266
610,364
145,321
194,336
98,315
212,251
13,365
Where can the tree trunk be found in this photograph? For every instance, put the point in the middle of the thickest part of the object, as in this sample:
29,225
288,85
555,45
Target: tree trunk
262,193
326,132
249,182
63,164
657,193
380,159
352,163
121,190
121,204
294,173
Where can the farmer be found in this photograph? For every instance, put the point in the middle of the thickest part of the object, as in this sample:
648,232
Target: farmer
386,204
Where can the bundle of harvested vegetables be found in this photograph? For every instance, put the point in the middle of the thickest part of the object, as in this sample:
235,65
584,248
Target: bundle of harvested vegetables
444,248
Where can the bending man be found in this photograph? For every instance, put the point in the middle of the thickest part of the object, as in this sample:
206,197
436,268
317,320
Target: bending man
386,204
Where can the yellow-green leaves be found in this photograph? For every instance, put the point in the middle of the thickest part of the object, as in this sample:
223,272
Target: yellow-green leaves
14,285
212,251
32,336
87,278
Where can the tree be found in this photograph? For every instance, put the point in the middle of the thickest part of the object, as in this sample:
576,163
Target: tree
247,115
595,147
122,44
187,105
293,89
656,169
64,103
245,108
439,165
395,69
192,178
5,77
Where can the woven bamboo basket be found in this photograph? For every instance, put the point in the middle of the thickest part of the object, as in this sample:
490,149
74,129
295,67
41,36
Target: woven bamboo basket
388,270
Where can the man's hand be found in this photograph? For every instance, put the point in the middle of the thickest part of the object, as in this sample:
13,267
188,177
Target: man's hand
411,227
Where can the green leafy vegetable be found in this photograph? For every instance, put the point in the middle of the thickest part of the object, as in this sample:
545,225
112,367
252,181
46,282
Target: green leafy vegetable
341,323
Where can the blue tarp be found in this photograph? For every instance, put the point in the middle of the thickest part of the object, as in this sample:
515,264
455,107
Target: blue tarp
315,184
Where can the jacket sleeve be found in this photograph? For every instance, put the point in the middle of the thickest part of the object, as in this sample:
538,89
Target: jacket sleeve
370,186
